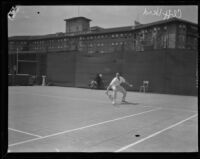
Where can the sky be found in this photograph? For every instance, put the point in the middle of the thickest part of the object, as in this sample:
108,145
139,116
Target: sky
41,20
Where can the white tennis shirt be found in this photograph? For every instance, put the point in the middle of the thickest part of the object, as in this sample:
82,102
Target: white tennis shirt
116,82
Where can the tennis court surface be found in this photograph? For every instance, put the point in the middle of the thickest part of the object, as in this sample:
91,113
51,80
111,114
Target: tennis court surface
66,119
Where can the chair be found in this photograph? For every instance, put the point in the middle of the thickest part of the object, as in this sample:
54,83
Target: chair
145,86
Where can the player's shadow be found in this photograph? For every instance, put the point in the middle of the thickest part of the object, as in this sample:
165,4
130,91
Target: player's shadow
130,103
127,103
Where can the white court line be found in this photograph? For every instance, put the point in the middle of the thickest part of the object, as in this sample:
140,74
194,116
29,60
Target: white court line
68,98
24,132
88,126
152,135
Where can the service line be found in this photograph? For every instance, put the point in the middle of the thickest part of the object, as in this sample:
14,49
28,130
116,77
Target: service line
81,128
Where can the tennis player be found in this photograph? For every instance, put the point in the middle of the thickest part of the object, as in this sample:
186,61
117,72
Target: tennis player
115,85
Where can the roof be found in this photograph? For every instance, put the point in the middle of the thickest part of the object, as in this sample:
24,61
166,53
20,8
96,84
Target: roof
29,37
140,26
101,31
165,21
75,18
96,27
117,29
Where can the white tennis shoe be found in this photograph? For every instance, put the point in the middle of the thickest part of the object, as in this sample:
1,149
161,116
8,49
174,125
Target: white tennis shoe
113,102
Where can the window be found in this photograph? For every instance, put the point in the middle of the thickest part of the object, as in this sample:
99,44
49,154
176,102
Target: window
181,36
195,44
181,40
172,40
182,26
192,42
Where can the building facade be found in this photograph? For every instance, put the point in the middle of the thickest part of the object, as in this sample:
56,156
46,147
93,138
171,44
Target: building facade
172,33
28,54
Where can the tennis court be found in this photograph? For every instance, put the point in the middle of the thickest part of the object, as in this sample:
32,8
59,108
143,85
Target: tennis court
66,119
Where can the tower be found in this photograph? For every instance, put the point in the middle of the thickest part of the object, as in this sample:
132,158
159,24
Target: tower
77,24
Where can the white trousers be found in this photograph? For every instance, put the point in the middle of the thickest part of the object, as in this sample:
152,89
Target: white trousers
118,89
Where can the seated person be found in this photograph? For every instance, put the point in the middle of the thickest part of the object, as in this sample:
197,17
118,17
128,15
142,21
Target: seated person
97,82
